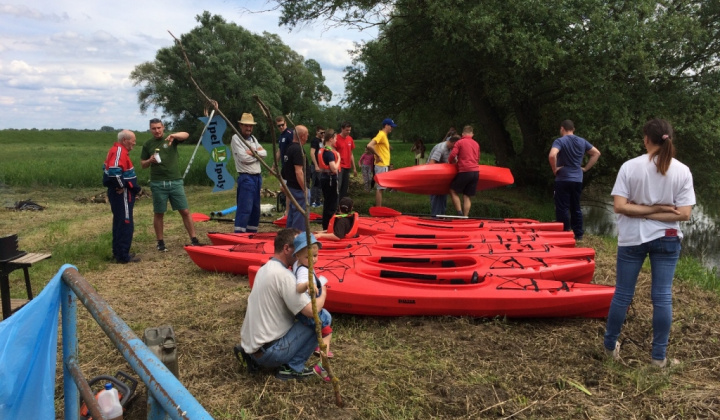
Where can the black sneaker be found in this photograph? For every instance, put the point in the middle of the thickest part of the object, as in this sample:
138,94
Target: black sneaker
194,242
133,259
286,373
161,246
246,359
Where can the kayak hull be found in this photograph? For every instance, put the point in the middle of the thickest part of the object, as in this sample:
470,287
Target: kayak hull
363,293
435,179
237,259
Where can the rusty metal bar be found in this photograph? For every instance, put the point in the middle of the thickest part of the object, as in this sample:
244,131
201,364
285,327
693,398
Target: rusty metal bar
84,387
174,398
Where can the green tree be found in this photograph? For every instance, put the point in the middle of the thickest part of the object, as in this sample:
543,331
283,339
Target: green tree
519,67
231,65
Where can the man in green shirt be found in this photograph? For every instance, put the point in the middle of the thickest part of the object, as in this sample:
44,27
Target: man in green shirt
161,156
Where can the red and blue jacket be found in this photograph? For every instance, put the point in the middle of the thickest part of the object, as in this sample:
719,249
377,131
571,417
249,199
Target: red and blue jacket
119,171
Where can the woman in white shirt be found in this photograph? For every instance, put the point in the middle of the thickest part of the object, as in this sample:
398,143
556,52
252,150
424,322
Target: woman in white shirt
652,194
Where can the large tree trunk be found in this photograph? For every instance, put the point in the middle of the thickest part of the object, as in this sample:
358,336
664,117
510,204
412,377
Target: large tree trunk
533,158
492,123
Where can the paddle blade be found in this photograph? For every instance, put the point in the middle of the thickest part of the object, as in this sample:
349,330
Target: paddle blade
199,217
380,211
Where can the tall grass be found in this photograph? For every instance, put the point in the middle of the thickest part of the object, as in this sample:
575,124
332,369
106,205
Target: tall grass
74,158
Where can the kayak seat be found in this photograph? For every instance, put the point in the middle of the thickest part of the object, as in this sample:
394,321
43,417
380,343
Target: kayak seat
457,281
389,274
471,246
474,279
448,264
416,246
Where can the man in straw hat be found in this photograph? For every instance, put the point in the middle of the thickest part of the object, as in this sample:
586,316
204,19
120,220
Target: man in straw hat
249,181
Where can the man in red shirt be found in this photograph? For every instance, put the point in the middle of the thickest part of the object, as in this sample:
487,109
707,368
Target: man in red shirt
345,145
466,153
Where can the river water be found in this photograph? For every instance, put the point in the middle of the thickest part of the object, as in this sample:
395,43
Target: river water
701,233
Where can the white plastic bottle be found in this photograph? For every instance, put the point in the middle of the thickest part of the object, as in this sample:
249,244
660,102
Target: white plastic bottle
110,403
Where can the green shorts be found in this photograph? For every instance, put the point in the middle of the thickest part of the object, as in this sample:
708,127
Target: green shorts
162,191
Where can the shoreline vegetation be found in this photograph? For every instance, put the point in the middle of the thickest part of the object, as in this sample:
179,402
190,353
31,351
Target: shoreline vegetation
390,368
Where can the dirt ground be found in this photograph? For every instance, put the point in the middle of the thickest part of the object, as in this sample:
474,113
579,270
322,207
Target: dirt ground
408,367
426,367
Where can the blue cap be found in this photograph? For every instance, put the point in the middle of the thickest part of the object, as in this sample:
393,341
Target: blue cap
108,386
390,122
300,242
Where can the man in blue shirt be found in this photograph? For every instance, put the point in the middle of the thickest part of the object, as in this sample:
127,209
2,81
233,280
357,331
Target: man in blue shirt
566,157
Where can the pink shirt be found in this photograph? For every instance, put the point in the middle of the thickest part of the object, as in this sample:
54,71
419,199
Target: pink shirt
466,153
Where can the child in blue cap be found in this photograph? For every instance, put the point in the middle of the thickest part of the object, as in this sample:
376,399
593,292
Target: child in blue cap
303,253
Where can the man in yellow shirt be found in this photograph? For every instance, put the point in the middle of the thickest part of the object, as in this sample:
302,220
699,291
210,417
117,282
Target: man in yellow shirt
380,146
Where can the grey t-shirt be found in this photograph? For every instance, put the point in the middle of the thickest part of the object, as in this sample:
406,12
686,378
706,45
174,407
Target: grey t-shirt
272,306
439,153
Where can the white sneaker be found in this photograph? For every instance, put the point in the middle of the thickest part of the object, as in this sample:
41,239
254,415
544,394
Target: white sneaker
662,364
614,353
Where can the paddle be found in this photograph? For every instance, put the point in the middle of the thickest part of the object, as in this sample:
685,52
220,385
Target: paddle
380,211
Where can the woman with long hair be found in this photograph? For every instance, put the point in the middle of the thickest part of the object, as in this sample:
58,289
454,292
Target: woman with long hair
329,163
652,194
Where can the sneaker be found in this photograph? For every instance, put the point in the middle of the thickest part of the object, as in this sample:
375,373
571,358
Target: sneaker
286,373
321,372
161,246
133,259
194,242
662,364
246,359
613,354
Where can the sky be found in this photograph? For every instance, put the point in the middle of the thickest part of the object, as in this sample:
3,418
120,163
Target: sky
66,63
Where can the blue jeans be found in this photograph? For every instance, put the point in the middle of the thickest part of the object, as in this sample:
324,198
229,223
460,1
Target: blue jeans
664,253
247,200
294,218
438,204
293,349
324,315
567,206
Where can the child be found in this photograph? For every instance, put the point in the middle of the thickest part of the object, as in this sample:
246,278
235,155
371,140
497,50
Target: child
366,162
419,149
300,268
342,225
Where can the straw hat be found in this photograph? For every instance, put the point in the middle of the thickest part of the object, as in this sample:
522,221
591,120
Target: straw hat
247,119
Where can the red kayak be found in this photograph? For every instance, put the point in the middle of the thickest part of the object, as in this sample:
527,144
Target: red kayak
562,239
574,266
453,242
436,179
414,224
281,222
409,293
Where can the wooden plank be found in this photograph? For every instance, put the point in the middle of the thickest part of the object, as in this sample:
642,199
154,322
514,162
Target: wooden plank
16,303
30,258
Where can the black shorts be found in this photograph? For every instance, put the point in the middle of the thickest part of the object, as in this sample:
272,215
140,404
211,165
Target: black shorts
465,183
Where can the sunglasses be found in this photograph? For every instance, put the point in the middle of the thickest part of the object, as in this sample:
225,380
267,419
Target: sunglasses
281,125
321,133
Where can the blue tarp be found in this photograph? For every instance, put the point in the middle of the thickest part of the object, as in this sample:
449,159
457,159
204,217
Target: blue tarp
28,354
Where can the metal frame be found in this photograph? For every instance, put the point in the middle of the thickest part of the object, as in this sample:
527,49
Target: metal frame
166,396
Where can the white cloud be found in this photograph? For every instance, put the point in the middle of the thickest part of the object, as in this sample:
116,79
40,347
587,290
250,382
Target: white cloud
22,11
66,65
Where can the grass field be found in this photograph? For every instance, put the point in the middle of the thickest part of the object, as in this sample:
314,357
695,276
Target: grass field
389,368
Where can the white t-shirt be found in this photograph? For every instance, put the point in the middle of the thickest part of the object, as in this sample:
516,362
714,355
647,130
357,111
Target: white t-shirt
640,182
301,275
272,306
